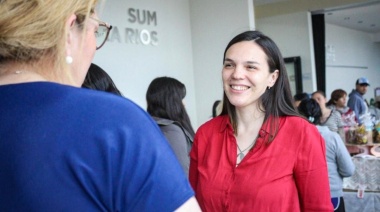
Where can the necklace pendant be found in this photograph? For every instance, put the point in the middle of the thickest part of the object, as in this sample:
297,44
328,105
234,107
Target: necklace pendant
241,155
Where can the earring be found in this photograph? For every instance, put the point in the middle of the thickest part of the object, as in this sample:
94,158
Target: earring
69,59
268,88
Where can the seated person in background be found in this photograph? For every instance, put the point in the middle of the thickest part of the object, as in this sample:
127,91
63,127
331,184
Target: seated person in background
330,118
339,162
98,79
338,102
299,97
165,104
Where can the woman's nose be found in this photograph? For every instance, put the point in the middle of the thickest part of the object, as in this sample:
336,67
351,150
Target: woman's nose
238,73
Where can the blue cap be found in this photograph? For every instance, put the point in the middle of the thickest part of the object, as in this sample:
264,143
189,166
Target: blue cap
362,81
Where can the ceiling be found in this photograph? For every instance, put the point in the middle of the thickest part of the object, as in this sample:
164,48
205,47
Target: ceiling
364,16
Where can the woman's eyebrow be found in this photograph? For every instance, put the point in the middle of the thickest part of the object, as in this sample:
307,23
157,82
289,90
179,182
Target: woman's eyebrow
228,60
248,62
253,62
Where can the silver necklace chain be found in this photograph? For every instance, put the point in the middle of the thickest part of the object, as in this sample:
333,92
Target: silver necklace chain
241,152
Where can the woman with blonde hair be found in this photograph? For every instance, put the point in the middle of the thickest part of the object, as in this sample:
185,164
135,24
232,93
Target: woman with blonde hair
64,148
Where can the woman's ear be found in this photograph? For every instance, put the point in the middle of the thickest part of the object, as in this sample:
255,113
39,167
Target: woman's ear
70,33
273,78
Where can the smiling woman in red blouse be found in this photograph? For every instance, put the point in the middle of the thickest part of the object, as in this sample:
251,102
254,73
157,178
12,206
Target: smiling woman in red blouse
258,155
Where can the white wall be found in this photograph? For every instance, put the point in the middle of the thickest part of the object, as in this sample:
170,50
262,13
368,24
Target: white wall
292,34
134,66
356,53
214,23
353,54
191,34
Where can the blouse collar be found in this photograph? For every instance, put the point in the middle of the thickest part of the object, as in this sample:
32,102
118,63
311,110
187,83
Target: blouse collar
226,125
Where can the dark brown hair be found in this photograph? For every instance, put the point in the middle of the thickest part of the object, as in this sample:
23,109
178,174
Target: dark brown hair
335,96
164,98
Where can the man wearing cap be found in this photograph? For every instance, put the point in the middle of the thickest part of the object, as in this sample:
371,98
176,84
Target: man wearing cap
356,101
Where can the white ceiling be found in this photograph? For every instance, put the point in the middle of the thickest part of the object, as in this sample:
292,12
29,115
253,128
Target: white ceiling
363,17
261,2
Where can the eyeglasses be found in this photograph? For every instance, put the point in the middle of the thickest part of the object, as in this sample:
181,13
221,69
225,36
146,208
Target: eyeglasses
102,33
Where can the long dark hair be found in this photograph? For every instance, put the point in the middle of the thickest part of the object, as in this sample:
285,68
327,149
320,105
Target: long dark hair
164,98
98,79
311,110
276,101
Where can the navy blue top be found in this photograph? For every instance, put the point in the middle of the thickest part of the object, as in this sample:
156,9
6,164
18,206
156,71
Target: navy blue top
70,149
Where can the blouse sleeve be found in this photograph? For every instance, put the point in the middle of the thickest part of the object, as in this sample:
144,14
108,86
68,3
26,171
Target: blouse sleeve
193,172
310,171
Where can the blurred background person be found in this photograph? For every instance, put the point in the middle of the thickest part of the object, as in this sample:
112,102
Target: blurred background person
356,99
164,98
299,97
338,102
374,110
98,79
330,117
339,162
65,148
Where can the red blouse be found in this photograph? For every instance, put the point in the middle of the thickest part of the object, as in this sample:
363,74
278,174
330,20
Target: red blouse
290,174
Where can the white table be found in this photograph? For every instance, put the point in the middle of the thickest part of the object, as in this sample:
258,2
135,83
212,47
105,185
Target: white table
367,177
369,203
